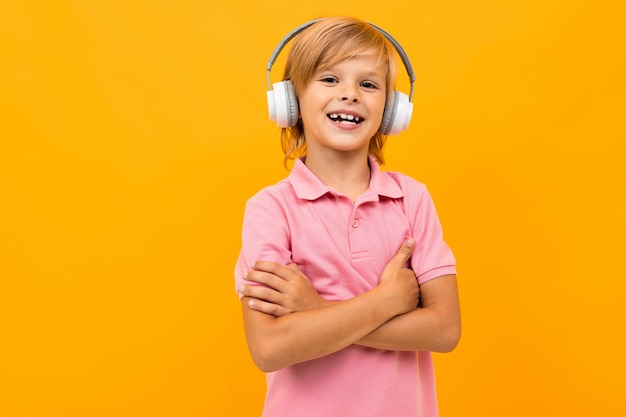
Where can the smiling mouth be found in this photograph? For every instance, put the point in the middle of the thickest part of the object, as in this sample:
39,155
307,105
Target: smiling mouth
345,118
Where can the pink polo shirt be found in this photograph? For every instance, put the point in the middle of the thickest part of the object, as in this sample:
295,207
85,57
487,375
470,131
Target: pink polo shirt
342,247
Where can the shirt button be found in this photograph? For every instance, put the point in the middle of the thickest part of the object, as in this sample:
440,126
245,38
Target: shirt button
355,223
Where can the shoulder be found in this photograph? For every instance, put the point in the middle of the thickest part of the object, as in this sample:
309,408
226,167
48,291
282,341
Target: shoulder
416,199
273,195
409,185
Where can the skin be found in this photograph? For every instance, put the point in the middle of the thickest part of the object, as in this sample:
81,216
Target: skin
337,152
286,321
434,326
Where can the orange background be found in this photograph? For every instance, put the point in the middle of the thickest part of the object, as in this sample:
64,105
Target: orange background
131,134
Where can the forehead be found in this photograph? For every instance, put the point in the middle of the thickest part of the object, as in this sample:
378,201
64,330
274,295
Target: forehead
367,65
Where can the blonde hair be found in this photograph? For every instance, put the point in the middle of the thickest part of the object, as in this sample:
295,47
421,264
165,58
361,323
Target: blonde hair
325,43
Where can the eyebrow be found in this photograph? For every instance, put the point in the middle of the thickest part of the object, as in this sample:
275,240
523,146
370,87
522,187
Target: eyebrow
375,74
372,73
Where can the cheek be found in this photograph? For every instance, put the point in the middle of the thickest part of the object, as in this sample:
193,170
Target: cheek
379,110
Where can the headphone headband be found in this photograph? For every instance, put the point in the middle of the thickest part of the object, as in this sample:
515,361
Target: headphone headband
403,56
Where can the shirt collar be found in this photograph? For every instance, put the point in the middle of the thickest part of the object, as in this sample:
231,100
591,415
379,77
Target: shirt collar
309,187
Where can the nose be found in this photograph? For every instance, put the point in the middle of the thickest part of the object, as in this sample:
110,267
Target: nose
350,94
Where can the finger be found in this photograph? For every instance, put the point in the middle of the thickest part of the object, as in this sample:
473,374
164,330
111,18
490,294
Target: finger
265,307
261,293
405,252
281,271
265,278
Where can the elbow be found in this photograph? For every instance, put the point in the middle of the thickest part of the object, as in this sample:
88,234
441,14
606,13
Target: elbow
266,358
449,339
265,365
449,344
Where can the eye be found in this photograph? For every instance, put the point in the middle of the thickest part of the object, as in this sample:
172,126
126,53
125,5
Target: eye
329,80
369,85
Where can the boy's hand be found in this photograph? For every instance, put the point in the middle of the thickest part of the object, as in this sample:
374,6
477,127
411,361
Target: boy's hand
401,280
284,289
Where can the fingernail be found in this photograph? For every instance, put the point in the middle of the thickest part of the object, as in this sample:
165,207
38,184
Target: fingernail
410,243
245,275
242,289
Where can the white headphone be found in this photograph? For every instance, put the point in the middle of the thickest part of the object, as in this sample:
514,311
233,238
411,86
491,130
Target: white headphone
283,103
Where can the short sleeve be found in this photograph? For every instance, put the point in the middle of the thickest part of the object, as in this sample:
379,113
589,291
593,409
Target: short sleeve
432,256
265,235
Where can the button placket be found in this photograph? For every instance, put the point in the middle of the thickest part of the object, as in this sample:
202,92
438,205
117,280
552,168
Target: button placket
359,245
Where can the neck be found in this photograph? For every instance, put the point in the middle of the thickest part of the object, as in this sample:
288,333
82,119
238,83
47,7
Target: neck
347,175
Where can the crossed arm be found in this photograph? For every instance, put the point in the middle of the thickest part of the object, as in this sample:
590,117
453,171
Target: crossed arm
286,321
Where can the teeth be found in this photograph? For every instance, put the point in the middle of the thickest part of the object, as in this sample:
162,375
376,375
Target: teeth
345,117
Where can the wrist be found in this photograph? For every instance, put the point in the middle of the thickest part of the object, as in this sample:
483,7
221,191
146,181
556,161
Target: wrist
386,302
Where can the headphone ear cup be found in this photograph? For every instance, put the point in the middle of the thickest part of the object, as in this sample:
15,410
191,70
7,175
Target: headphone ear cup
283,104
397,114
388,114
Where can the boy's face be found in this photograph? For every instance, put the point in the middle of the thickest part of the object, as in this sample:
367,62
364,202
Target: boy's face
342,106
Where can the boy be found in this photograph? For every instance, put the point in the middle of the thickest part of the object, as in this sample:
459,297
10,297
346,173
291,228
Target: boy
331,311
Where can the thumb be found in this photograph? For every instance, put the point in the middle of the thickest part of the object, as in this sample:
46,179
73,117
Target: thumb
406,250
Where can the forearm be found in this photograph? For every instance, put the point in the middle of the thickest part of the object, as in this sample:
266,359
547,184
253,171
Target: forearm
275,342
420,329
435,326
278,340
